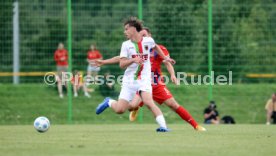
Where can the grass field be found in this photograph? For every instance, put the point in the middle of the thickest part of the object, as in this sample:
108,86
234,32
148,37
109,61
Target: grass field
112,134
138,140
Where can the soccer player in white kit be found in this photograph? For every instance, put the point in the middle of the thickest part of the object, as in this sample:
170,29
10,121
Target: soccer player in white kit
135,57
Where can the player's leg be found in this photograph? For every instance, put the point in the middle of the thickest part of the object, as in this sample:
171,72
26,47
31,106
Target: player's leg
161,94
148,101
183,113
119,107
134,110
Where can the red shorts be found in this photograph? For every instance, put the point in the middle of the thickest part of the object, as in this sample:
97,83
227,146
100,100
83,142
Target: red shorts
160,93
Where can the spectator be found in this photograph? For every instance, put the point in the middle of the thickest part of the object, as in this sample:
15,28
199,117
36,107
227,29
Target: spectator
77,82
107,88
211,115
271,109
92,55
61,58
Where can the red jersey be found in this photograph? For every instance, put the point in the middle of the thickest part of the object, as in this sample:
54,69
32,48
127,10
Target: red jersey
61,57
156,62
91,55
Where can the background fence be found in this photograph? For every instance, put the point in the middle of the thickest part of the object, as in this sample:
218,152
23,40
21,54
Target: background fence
243,34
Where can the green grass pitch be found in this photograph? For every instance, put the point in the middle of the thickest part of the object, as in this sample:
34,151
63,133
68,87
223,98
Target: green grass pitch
21,104
138,140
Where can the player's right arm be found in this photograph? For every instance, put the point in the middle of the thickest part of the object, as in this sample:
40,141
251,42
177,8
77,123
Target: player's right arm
125,62
112,60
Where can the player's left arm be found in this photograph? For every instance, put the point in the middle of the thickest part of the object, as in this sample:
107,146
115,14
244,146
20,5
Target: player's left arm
172,72
160,53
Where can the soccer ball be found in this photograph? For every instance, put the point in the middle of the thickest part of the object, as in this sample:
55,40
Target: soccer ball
41,124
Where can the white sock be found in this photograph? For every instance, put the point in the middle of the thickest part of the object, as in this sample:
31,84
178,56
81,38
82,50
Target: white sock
110,102
161,121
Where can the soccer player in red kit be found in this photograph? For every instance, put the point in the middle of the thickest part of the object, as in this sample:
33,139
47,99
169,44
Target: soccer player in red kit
61,58
160,92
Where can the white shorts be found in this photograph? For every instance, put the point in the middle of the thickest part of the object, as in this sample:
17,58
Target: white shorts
129,90
93,68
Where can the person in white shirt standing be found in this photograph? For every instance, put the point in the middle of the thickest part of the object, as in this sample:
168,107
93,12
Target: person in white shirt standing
135,57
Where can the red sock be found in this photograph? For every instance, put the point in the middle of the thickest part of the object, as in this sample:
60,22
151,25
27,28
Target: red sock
185,115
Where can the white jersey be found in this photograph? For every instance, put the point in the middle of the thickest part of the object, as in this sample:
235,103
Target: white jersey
141,49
